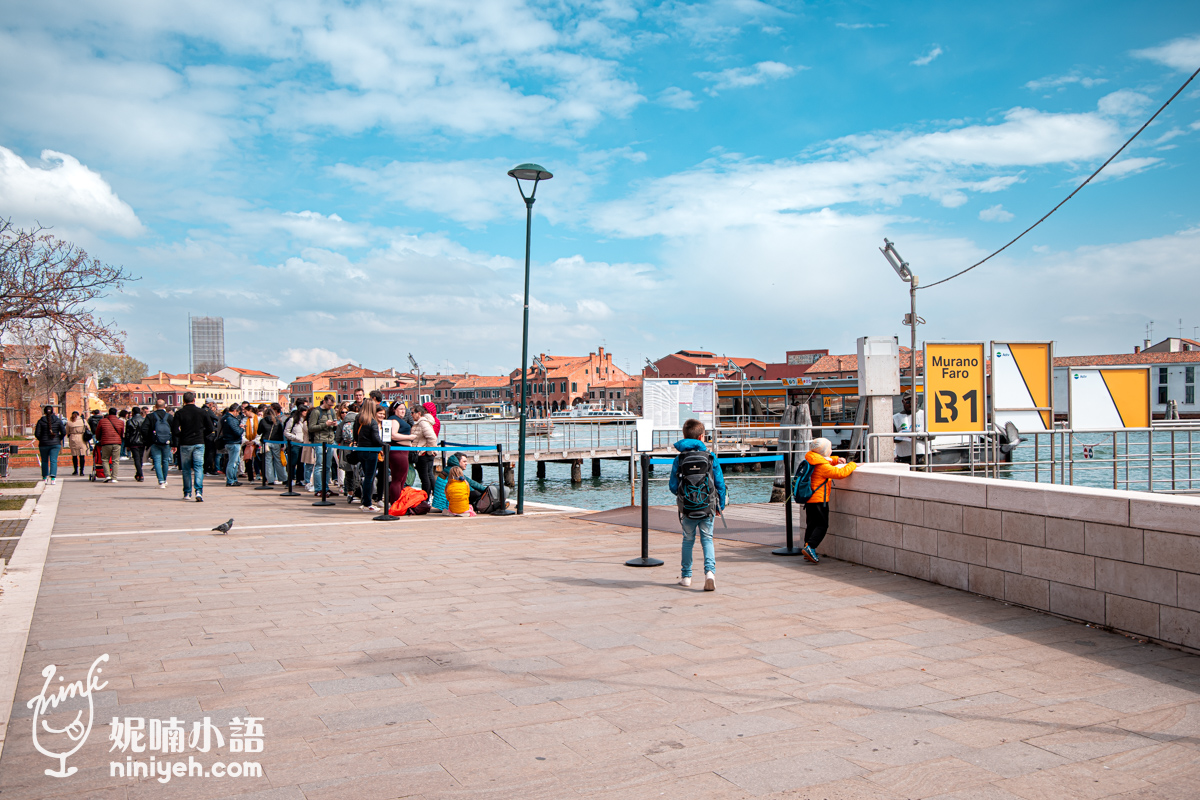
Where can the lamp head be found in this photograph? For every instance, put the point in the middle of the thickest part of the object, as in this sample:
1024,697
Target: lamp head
412,361
530,172
898,263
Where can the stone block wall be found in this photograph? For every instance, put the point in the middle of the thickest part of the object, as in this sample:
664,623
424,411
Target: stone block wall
1127,560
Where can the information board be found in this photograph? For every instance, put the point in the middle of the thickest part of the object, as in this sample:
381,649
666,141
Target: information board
318,397
669,402
955,389
1109,398
1022,382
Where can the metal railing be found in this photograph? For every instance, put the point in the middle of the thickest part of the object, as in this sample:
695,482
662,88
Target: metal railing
1163,458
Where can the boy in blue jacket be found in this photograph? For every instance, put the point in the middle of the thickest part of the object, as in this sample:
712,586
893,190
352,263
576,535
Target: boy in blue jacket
699,489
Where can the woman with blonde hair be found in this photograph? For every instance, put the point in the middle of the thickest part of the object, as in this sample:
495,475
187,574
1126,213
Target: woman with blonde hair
79,449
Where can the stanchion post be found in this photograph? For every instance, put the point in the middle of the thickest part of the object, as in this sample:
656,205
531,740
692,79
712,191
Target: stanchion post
386,516
266,454
324,501
291,470
645,560
791,549
503,510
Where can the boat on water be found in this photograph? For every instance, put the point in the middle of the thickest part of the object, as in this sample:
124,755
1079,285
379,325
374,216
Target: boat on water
539,427
468,416
586,412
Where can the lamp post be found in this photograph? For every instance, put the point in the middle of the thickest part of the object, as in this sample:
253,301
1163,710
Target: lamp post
535,173
911,320
416,368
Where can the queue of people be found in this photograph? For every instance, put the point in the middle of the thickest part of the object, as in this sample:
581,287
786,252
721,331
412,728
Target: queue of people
306,447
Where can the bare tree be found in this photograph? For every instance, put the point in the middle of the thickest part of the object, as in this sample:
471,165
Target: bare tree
46,280
114,368
58,358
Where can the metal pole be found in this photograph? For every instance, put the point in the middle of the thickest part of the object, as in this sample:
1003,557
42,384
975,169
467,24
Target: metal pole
791,549
504,510
324,501
524,360
645,560
291,470
386,516
912,373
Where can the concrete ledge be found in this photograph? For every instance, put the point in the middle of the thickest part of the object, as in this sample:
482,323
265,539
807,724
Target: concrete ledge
948,489
1068,502
1166,513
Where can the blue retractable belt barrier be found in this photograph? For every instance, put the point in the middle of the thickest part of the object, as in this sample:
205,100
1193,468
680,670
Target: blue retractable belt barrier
740,460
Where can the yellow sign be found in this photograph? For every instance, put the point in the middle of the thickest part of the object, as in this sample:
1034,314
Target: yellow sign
955,392
319,397
1109,399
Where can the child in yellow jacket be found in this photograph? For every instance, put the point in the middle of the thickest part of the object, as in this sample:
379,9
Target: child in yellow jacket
458,493
826,469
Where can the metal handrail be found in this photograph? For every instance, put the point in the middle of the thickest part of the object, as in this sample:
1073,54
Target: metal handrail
1161,458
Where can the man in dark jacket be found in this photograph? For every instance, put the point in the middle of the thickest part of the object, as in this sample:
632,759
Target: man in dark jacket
111,432
212,449
135,443
49,433
191,427
158,434
232,434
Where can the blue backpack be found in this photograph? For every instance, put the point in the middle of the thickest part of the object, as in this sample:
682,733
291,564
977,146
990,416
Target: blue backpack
802,488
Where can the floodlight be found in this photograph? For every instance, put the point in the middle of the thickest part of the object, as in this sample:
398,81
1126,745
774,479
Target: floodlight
898,263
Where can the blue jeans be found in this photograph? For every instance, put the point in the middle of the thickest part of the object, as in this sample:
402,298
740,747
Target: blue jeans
49,456
705,526
160,457
233,452
321,471
191,461
273,465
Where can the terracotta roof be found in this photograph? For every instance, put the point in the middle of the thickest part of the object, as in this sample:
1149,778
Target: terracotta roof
241,371
632,383
128,387
1183,357
482,381
710,360
849,363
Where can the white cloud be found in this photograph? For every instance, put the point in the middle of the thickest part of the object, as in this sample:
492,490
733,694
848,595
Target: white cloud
742,77
62,192
1062,81
1124,103
995,213
1182,54
1127,166
883,168
711,20
308,360
927,58
856,26
674,97
467,191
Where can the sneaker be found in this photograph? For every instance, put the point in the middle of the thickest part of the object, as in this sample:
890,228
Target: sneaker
109,480
199,498
235,483
163,485
52,481
685,581
710,581
810,554
187,497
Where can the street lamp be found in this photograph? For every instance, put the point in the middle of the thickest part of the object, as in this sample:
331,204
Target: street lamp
653,366
535,173
911,320
416,368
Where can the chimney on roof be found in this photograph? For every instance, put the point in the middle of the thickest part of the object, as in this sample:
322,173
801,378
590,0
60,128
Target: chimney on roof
1145,344
1136,349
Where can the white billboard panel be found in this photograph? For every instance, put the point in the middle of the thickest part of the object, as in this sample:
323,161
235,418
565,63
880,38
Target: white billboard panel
670,402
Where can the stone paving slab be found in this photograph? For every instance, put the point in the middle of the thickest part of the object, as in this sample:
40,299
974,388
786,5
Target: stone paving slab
518,657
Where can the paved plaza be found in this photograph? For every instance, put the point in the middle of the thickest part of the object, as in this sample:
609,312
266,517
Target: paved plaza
519,658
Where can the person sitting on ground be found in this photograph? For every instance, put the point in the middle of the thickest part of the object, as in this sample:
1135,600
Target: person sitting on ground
458,494
825,470
699,489
437,501
110,431
477,488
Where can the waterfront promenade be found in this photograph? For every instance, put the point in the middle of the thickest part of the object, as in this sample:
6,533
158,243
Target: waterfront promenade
518,658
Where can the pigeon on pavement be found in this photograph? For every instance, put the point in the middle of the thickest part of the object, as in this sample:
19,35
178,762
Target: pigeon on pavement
224,526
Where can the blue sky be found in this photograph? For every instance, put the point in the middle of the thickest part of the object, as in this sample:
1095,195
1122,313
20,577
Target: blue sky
330,177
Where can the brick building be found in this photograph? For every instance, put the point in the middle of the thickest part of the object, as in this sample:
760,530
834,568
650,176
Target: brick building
343,381
702,363
565,380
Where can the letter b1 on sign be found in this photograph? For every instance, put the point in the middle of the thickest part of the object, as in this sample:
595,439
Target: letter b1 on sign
955,387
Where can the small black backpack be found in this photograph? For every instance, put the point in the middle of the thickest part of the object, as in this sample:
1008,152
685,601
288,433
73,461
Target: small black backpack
697,495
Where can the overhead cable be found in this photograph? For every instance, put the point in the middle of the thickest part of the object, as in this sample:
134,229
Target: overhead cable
1072,194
